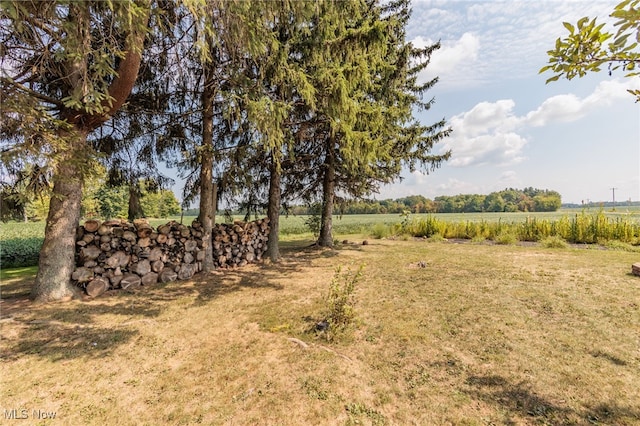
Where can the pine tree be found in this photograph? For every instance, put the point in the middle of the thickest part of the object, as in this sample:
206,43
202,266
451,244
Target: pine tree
362,130
67,68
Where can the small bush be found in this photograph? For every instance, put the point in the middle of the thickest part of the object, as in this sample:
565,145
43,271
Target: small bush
506,238
619,245
380,230
554,242
17,252
478,239
437,238
313,224
341,301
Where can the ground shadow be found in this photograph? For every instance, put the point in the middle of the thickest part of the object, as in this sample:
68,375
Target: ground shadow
59,342
611,358
61,331
518,402
16,288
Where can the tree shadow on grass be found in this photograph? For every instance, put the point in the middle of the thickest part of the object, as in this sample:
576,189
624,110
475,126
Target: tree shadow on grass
62,331
518,402
16,287
57,342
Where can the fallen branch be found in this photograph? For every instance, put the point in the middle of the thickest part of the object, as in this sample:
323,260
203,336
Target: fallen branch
305,345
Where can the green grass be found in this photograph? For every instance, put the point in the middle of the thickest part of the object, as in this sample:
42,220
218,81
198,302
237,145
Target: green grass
13,273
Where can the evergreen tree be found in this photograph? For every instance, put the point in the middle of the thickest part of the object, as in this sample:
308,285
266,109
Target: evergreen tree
67,68
362,130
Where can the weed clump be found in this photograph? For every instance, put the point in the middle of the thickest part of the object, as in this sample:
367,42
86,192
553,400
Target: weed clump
340,303
506,238
380,230
554,241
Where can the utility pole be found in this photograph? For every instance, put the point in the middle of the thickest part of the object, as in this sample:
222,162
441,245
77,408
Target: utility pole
614,197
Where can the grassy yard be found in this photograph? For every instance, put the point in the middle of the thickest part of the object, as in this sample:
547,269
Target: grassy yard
461,334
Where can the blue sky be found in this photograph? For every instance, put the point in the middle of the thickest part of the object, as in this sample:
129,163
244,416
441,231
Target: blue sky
510,129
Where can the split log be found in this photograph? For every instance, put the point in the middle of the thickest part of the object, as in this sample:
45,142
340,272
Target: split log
157,266
144,230
130,282
186,271
118,253
155,254
115,280
117,259
104,230
82,275
149,279
129,236
168,275
97,286
164,229
141,268
190,245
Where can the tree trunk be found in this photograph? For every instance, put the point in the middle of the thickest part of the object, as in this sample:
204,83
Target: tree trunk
206,169
328,189
57,255
135,208
273,212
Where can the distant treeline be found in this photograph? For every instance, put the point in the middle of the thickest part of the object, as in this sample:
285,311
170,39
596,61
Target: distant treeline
508,200
602,204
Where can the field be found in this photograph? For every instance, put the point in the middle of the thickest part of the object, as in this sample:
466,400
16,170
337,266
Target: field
20,242
445,334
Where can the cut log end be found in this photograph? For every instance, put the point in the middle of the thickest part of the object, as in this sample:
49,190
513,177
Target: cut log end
97,286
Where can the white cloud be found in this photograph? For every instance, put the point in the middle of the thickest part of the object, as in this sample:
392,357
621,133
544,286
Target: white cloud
454,61
508,179
452,55
568,107
484,135
486,116
485,40
490,132
456,186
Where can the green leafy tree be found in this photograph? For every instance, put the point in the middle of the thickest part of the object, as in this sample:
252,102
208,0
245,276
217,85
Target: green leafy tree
112,202
160,203
589,46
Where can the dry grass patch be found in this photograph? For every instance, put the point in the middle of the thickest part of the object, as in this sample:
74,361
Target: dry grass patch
482,334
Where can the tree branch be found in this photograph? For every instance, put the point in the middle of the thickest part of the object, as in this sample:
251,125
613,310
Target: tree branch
33,93
126,76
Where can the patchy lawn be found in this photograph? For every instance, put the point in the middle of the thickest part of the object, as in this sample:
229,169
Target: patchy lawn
445,334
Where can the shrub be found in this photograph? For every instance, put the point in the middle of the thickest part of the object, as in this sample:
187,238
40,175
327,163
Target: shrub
478,239
436,238
341,301
554,241
380,230
18,252
618,245
506,237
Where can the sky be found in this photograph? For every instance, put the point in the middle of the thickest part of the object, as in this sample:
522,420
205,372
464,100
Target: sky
510,129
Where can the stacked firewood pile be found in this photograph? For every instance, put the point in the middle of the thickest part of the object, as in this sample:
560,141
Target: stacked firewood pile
119,255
